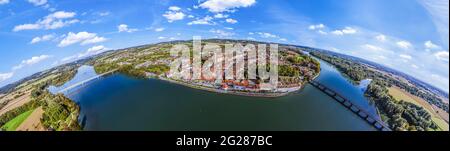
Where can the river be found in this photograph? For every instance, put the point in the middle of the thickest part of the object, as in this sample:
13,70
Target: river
119,102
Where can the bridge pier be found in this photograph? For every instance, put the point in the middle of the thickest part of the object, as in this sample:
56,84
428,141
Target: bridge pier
363,115
339,99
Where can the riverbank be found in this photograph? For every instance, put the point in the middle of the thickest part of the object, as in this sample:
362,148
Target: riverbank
282,91
249,94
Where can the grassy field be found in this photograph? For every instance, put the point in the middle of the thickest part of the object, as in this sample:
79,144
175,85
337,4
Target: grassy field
399,94
441,123
14,123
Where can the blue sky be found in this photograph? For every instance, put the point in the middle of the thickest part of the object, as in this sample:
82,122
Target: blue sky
410,36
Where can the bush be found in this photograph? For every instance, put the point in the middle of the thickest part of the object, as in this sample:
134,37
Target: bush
61,114
131,71
287,70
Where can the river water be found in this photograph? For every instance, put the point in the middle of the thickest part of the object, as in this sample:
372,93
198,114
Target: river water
119,102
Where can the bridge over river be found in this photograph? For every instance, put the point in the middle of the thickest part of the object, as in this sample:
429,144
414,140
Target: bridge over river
84,82
379,125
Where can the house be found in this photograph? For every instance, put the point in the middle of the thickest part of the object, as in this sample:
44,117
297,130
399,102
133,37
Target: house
224,86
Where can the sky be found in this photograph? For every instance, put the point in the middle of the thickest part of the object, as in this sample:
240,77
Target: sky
407,35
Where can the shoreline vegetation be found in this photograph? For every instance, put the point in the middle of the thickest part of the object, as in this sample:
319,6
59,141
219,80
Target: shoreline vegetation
400,115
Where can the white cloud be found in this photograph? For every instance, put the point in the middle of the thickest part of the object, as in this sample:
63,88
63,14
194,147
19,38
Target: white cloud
372,47
81,37
174,8
318,26
26,27
60,24
90,52
220,15
5,76
337,32
31,61
174,14
381,38
346,30
414,66
442,56
228,28
62,15
221,33
405,56
103,13
35,59
42,38
404,44
159,29
250,38
52,21
4,2
161,37
94,40
202,21
37,2
267,35
322,32
96,49
231,21
217,6
124,28
431,45
439,12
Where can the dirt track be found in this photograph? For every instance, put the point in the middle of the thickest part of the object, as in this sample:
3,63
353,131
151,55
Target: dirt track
33,122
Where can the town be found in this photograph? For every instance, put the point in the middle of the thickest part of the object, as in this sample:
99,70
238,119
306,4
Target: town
242,74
